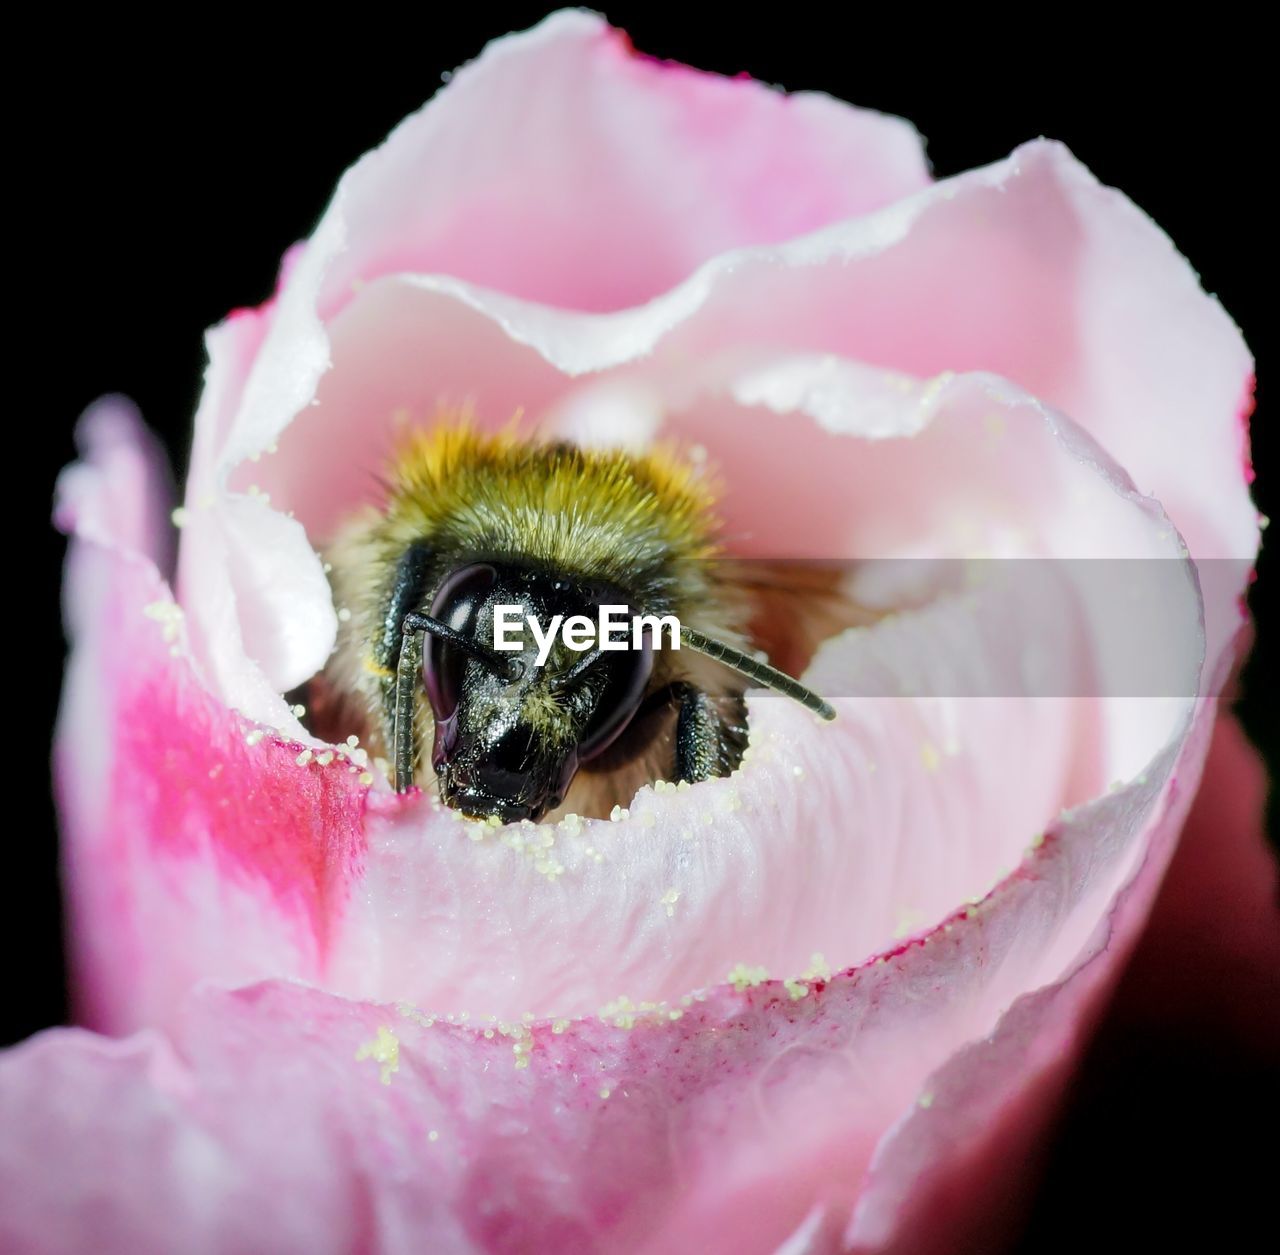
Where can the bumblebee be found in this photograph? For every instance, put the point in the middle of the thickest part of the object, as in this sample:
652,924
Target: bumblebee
472,522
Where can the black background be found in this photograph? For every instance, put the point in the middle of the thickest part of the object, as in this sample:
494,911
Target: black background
159,176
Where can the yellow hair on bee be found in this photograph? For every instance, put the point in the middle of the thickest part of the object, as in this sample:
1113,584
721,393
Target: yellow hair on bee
594,512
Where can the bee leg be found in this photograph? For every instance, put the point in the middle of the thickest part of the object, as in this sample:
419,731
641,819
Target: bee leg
711,733
408,681
406,593
401,652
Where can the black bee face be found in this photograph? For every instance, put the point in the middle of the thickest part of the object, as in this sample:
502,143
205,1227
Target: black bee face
510,733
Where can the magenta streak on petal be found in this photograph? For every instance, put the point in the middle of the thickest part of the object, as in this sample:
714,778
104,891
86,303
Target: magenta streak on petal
1247,407
295,829
292,256
190,852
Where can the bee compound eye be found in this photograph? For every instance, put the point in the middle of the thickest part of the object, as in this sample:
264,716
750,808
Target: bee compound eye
457,603
626,678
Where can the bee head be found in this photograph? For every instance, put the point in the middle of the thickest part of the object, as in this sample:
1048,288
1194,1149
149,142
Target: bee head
513,726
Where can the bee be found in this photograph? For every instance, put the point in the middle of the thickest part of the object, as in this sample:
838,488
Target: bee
472,522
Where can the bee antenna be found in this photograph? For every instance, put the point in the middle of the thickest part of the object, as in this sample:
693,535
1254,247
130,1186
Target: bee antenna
504,668
761,672
575,673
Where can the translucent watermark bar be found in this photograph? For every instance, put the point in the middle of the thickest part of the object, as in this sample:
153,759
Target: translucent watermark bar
920,627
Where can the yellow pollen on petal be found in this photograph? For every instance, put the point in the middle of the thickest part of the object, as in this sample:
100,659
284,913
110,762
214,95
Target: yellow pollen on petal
909,919
411,1013
621,1011
742,977
929,756
729,801
384,1050
168,614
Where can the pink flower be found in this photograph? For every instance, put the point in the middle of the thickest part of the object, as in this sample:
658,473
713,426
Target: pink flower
295,966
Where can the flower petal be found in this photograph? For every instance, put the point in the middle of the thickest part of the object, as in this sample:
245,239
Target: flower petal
184,857
235,619
1028,269
116,495
955,1165
1209,960
286,1117
624,176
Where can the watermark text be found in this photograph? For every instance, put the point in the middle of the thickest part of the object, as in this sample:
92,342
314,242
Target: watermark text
615,629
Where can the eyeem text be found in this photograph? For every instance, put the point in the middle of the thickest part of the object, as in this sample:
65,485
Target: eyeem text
615,629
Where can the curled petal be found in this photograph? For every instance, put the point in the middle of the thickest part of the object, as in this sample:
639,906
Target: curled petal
1028,268
175,826
563,169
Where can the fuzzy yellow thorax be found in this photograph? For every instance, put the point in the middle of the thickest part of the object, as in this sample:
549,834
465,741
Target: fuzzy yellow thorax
597,512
